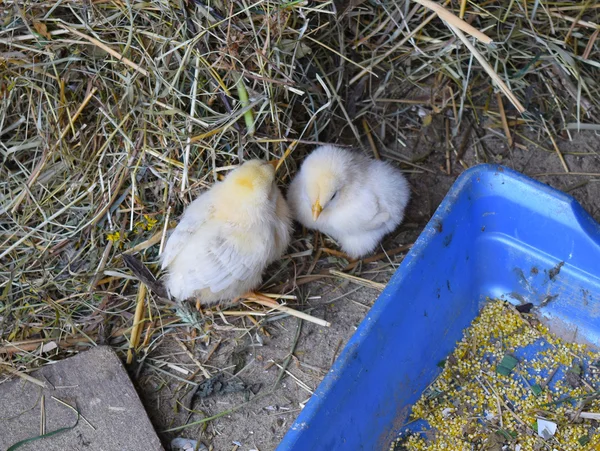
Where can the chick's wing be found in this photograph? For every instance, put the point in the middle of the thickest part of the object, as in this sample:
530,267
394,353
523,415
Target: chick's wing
216,257
229,266
192,220
360,210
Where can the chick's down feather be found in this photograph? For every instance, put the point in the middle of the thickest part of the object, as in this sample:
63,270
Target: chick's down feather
347,195
228,236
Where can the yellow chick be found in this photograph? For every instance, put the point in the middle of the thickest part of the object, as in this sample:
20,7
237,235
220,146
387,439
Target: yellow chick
228,236
352,198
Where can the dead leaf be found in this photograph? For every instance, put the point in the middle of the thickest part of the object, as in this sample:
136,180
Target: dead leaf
494,442
573,377
42,29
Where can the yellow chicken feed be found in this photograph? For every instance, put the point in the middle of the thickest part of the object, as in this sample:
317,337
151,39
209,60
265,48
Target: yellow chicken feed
509,385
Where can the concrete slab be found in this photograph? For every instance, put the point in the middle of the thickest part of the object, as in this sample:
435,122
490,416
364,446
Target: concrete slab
94,382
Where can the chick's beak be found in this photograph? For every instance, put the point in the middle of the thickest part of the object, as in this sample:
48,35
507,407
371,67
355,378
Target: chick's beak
316,210
274,163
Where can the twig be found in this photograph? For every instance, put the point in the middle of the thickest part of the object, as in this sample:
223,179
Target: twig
507,92
145,276
358,280
136,331
370,139
504,120
24,376
454,21
263,300
106,48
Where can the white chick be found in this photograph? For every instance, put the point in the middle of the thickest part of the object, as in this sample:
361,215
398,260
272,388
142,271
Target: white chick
352,198
228,236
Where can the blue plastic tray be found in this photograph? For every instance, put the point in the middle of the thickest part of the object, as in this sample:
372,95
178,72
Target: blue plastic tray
497,234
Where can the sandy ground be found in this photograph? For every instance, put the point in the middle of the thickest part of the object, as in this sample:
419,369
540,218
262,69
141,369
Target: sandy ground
261,423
